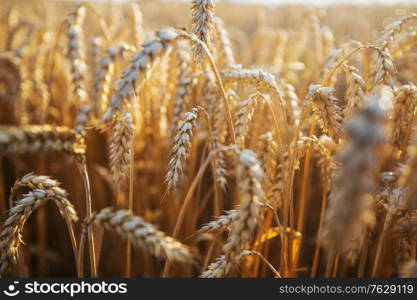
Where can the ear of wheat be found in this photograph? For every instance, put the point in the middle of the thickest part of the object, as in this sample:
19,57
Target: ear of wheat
404,116
41,138
11,77
183,85
11,233
351,206
393,29
408,178
355,94
140,65
202,18
409,270
263,80
94,51
245,110
293,108
219,128
226,56
326,109
243,228
142,234
102,81
120,147
76,52
384,69
221,266
221,223
182,144
139,30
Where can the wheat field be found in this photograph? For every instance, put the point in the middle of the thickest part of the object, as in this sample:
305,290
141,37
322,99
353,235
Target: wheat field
203,139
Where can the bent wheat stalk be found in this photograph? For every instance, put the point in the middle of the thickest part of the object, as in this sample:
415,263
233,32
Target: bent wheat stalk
220,267
142,234
11,233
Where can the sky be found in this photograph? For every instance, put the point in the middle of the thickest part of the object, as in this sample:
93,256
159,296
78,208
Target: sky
307,2
327,2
